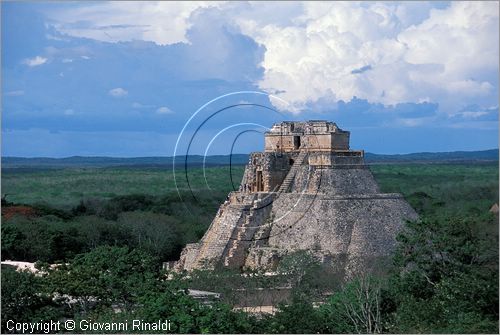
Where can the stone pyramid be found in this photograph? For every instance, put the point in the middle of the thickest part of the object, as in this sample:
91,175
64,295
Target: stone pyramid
306,191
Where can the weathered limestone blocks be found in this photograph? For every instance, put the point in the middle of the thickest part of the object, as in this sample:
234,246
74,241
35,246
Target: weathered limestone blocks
338,158
187,260
264,258
351,179
357,226
265,172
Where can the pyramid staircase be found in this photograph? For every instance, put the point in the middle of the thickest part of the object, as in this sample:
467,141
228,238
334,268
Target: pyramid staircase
241,240
285,186
219,233
238,244
211,235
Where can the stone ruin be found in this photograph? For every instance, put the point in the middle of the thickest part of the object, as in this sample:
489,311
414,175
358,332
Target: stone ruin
307,191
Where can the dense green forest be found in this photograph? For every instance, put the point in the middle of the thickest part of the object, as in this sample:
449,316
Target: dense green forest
111,229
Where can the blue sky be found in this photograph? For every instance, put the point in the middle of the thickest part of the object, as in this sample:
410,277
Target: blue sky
124,78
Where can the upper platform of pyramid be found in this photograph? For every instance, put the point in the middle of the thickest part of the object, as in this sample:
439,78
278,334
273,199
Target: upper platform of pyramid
314,135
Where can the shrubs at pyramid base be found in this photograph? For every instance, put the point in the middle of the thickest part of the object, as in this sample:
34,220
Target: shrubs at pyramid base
306,191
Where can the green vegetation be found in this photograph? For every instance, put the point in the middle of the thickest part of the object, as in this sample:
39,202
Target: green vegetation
65,188
85,208
442,190
113,227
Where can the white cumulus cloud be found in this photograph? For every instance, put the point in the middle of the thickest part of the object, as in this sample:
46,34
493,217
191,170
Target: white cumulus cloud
450,57
164,110
118,92
163,22
317,53
38,60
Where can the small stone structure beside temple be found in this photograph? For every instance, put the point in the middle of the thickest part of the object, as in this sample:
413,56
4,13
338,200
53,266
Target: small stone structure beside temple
307,191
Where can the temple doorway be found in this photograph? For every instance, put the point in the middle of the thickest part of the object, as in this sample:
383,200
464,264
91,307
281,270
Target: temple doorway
260,186
296,142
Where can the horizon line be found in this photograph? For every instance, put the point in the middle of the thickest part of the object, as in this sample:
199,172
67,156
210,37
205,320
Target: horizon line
194,155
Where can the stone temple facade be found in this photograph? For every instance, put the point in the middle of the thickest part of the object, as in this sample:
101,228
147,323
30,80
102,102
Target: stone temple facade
307,191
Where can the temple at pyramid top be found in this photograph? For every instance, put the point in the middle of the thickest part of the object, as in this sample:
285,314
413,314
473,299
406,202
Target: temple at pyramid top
291,136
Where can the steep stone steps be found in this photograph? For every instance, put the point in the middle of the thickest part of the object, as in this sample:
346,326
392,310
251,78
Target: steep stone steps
239,243
293,171
244,235
219,233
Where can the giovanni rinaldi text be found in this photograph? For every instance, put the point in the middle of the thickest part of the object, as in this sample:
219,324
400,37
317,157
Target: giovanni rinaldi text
87,325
